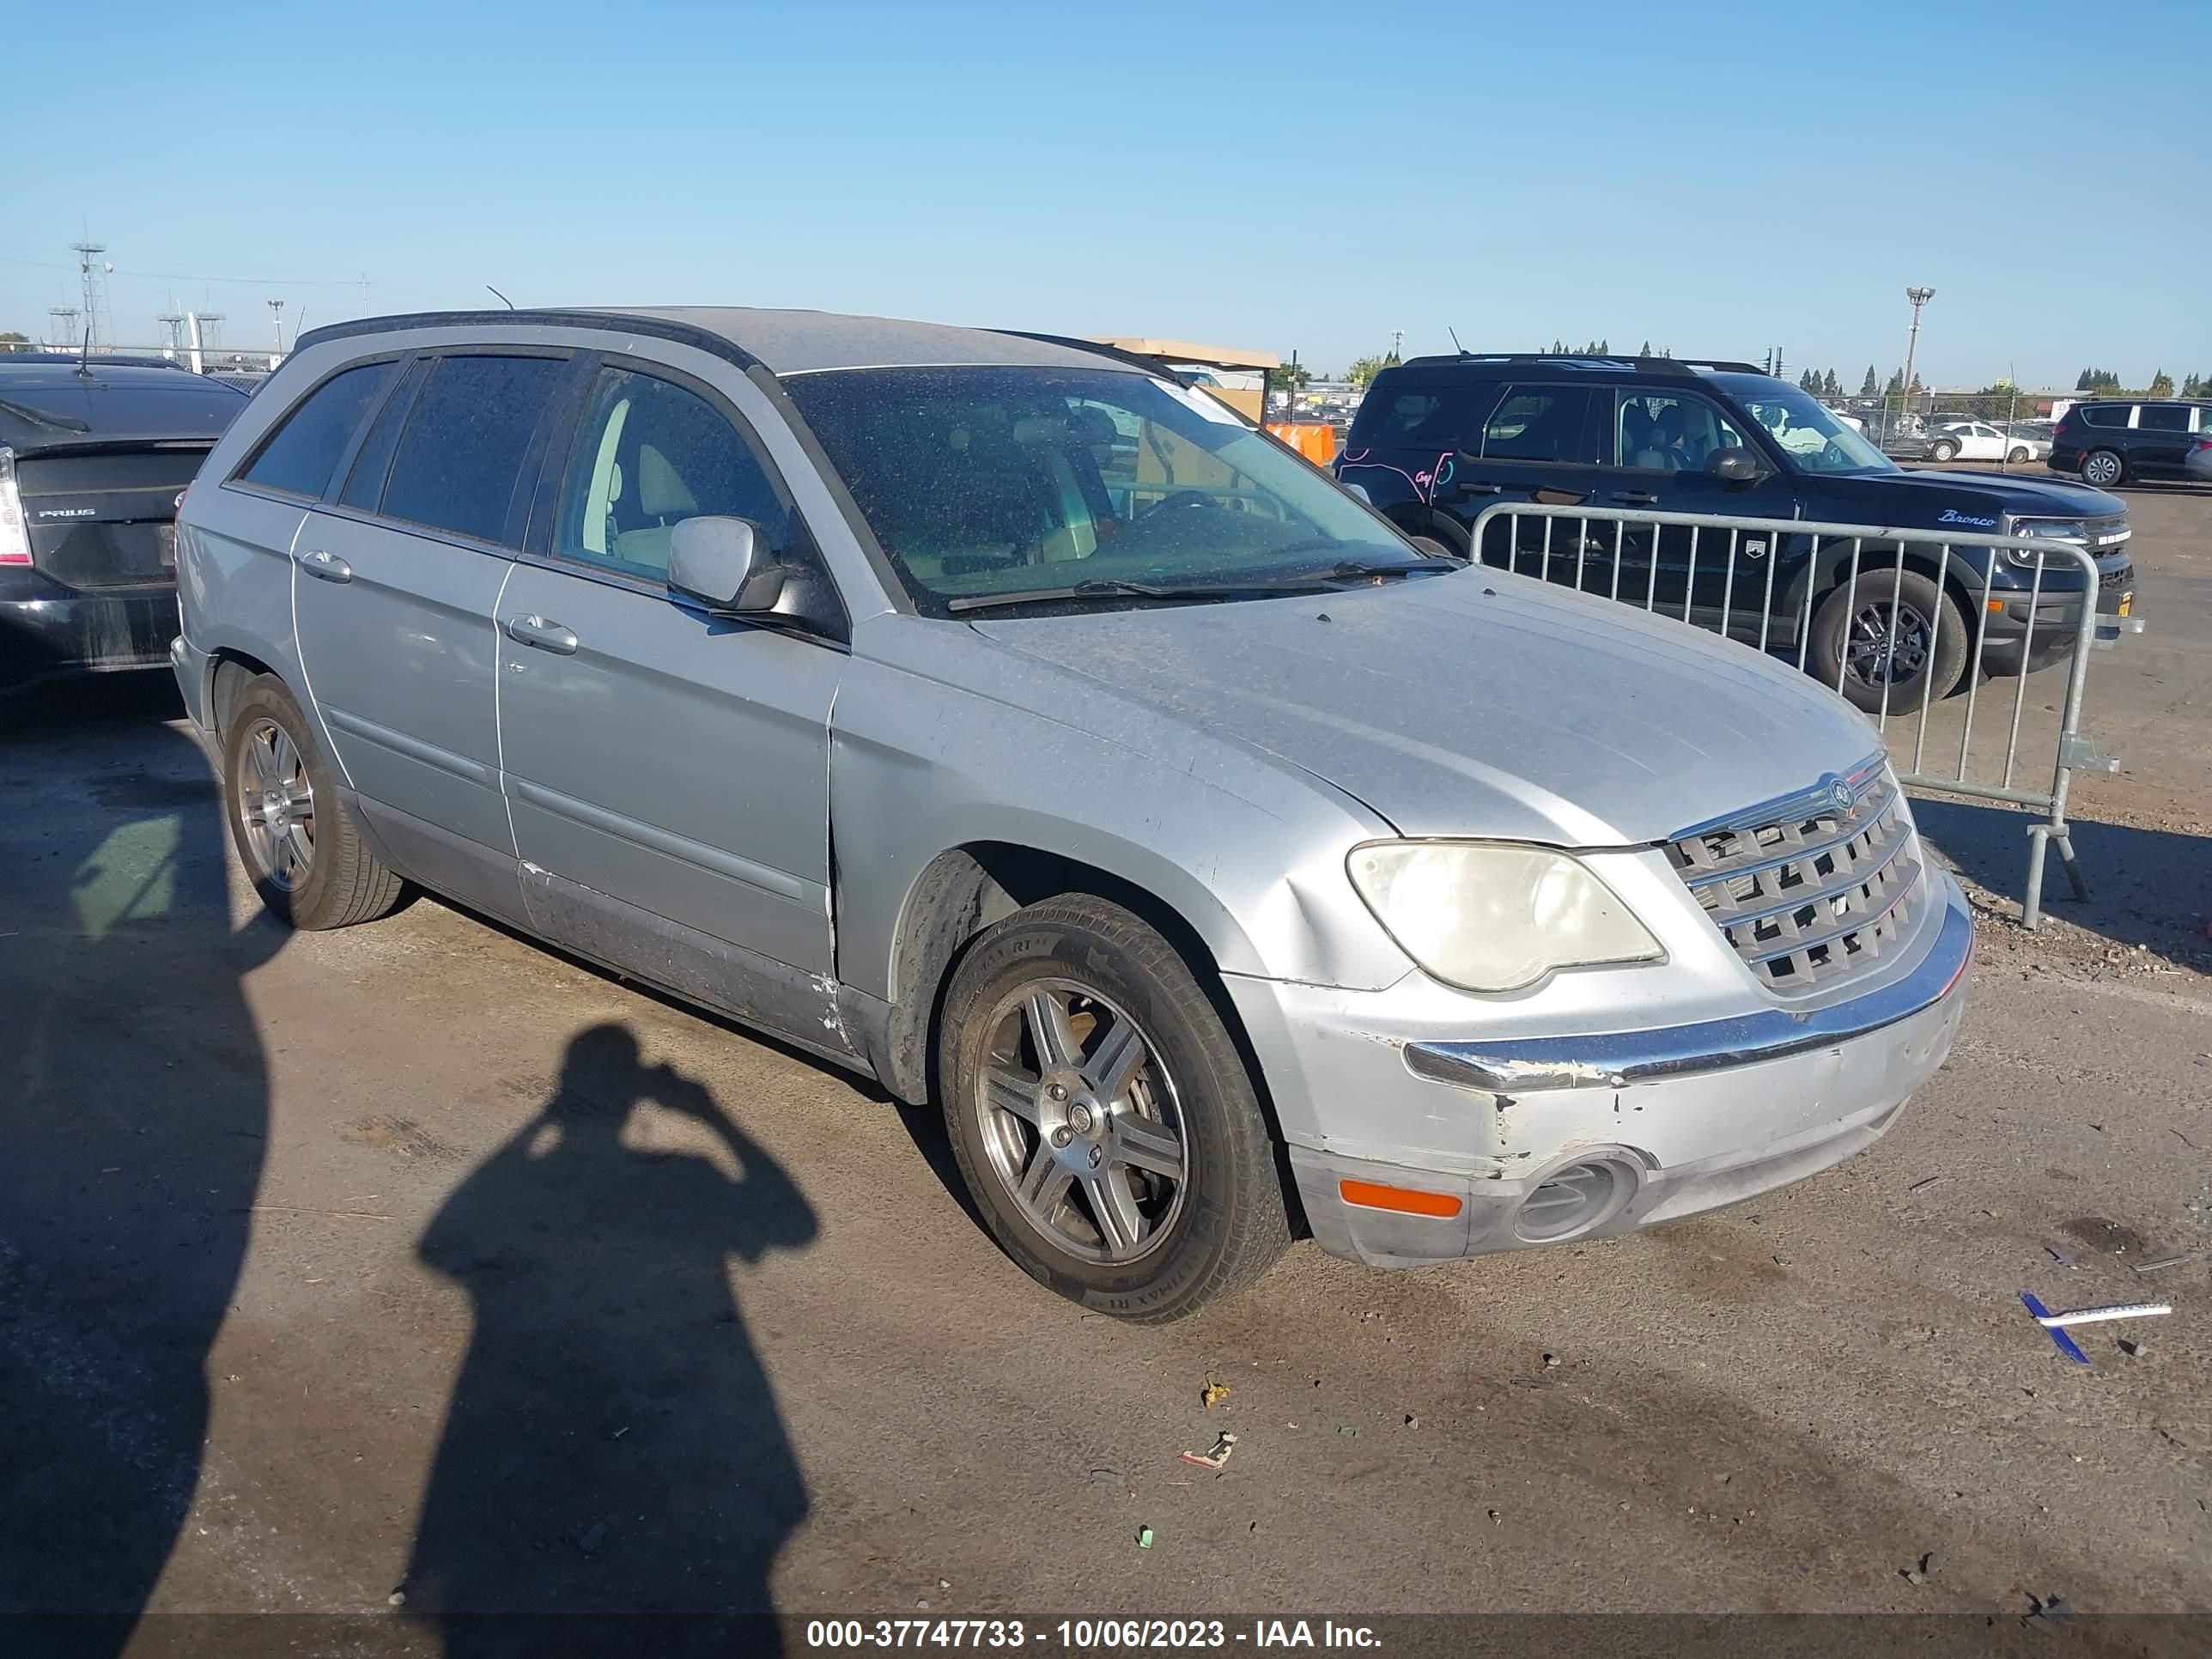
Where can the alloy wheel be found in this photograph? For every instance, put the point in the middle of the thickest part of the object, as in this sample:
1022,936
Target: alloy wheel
1081,1123
275,805
1878,652
2101,469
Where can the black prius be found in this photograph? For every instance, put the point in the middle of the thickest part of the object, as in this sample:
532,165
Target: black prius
95,453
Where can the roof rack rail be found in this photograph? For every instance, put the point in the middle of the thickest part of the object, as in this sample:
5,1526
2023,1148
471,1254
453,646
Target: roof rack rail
1592,360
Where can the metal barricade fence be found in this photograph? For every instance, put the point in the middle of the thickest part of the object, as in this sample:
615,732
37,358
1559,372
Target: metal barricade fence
1727,575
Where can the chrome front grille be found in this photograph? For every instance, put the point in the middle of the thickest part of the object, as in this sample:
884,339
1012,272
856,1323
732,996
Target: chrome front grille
1813,889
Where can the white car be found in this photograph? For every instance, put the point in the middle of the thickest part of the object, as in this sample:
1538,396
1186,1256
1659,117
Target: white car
1968,440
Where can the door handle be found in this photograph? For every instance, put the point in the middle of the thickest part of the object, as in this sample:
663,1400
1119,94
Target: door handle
1637,498
1458,489
326,566
544,635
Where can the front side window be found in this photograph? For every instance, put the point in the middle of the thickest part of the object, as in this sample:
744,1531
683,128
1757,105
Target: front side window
1814,440
649,455
1540,423
2163,417
304,451
460,459
1672,432
1005,480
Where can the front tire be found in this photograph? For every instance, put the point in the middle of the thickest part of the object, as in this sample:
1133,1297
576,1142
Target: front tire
2103,468
2018,456
1103,1120
304,854
1943,450
1889,634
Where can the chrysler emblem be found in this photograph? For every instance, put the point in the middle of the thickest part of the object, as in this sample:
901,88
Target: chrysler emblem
1839,794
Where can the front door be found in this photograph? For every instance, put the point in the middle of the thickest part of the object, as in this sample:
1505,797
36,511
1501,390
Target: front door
669,771
1707,574
393,591
1538,443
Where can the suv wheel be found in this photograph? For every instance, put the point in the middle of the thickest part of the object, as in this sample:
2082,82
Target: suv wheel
1899,637
2102,468
1102,1118
305,855
1943,449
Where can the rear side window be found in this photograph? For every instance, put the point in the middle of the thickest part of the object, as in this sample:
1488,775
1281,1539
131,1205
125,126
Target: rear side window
2104,414
303,452
2163,417
1543,423
1435,416
460,459
364,484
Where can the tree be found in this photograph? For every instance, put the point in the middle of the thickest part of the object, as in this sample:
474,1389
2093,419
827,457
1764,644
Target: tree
1293,375
2098,380
2161,385
1364,369
1870,386
11,341
1808,381
1646,352
2194,386
1834,387
1896,386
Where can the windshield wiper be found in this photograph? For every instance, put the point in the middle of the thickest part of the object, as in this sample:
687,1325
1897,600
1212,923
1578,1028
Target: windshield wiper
1092,590
1352,570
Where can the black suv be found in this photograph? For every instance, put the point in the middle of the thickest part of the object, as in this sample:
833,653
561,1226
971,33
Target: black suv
1438,439
94,454
2108,442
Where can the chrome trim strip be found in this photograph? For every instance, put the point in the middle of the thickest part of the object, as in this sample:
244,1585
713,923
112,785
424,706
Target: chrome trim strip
1850,924
1841,889
414,749
1616,1060
1807,803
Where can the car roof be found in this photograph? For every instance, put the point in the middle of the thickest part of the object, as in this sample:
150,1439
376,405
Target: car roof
46,403
1682,371
783,340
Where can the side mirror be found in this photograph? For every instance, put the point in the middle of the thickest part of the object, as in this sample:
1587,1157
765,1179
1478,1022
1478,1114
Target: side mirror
1733,466
723,565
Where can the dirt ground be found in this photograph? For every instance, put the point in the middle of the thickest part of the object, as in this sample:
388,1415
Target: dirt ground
318,1288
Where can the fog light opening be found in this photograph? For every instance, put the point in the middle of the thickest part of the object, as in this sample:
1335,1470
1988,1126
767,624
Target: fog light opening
1574,1200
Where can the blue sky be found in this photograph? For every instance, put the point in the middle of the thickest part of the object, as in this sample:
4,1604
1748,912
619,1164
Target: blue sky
1717,177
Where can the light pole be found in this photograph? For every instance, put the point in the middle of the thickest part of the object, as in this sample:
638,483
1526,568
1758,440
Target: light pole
1919,296
277,312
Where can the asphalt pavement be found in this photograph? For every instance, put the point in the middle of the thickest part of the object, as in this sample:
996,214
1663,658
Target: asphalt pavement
417,1261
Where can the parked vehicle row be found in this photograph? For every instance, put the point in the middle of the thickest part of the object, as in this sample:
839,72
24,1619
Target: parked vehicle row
1000,719
1968,440
1440,439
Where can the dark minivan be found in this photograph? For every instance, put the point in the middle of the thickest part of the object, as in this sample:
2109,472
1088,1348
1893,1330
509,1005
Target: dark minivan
2110,442
1438,440
95,453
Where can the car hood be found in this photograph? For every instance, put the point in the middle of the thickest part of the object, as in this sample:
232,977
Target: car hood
1476,703
1986,494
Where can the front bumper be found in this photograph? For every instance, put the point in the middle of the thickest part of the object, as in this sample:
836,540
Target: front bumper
56,631
1635,1127
2010,645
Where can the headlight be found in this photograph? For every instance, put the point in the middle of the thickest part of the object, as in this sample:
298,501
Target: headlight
2052,529
1487,916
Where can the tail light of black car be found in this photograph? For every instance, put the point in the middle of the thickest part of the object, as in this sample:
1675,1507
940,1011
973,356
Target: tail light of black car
15,530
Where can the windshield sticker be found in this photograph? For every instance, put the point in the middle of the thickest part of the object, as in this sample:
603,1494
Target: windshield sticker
1198,403
1951,515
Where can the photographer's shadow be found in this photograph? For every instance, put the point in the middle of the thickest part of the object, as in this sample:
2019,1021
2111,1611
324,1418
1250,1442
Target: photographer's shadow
612,1445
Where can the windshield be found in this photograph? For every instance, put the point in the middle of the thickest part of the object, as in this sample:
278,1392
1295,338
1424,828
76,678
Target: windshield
1815,440
998,481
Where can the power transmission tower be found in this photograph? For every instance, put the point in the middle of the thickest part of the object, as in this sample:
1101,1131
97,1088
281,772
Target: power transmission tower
173,323
64,328
91,272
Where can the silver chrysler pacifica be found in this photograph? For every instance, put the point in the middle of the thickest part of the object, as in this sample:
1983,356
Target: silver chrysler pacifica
995,716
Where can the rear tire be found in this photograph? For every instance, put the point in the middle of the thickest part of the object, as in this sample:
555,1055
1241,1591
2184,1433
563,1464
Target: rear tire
1164,1193
296,841
2018,456
1926,660
2103,468
1943,449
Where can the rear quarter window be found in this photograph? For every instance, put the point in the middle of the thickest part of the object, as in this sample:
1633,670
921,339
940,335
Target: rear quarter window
299,457
1434,416
2104,414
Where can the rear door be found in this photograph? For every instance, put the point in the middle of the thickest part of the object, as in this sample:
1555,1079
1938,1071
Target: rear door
668,771
396,584
1539,442
2162,436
